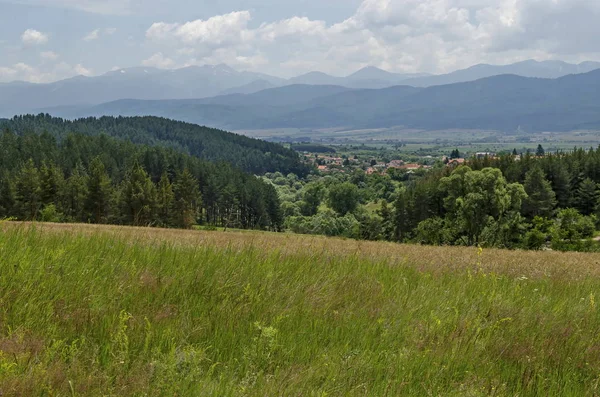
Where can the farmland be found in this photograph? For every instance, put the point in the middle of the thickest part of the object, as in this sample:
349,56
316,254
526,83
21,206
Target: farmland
106,310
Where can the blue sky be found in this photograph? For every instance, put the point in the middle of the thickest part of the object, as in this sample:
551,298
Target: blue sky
47,40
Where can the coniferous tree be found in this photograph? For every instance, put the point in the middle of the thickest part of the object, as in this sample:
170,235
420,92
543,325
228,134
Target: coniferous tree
138,197
51,180
541,199
164,201
587,197
187,200
74,195
540,152
7,195
99,192
28,191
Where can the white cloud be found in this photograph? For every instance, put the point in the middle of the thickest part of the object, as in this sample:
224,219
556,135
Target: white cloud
82,71
49,55
399,35
93,35
34,37
96,33
158,60
43,73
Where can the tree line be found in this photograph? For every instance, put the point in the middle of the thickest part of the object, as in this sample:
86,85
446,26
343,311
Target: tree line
251,155
99,179
529,201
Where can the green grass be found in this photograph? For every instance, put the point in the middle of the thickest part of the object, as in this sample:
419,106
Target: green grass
95,312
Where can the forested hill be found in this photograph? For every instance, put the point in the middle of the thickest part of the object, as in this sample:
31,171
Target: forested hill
211,144
100,179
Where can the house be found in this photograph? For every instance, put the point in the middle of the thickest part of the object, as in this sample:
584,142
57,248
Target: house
411,167
395,164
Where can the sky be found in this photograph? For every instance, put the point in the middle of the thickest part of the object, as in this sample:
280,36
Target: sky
49,40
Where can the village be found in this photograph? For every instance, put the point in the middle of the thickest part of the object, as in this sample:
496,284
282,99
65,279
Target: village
373,164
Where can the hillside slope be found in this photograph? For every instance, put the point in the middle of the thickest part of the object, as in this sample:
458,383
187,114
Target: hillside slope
131,311
214,145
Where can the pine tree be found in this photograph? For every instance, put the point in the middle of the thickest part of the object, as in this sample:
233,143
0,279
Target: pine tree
99,192
540,152
587,197
138,197
164,201
74,195
541,199
187,200
52,180
7,195
28,192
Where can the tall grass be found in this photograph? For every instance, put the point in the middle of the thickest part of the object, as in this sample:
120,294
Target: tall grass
108,311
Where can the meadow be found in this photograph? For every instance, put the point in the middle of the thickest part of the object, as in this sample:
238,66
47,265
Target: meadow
118,311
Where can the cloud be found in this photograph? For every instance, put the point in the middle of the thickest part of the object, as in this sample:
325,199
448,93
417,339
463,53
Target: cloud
43,73
33,37
49,55
82,71
96,33
93,35
158,60
399,35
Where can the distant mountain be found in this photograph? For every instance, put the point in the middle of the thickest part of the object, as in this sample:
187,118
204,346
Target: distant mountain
134,83
505,103
250,88
209,81
531,68
368,77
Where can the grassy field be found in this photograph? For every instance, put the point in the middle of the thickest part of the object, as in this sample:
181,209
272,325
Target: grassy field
90,311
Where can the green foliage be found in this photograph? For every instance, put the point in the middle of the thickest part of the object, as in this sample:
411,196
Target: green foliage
343,198
249,154
541,200
104,180
28,192
187,199
572,230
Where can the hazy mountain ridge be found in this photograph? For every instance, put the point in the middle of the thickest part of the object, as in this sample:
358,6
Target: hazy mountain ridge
505,102
208,81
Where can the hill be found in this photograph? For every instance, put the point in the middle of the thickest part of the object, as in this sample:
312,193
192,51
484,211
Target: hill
505,103
214,145
93,310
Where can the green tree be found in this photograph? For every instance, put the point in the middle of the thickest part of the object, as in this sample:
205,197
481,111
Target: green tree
7,195
139,197
540,152
99,192
586,198
312,196
476,198
187,200
52,181
165,201
343,198
541,199
28,199
75,194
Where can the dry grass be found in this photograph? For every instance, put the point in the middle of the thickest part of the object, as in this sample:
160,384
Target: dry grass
531,264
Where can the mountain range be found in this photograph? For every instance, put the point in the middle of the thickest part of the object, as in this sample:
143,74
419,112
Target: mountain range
199,82
504,102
